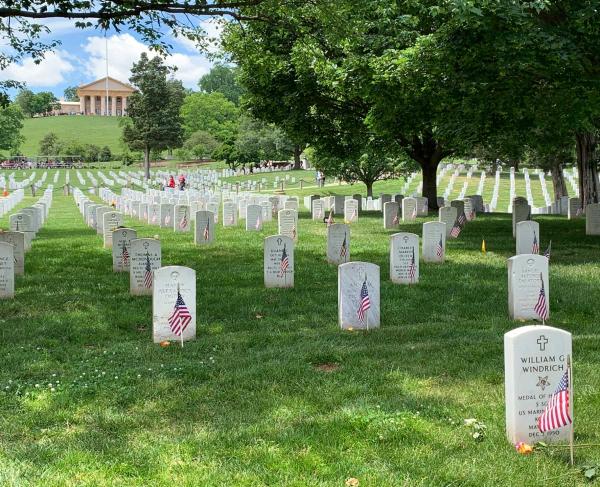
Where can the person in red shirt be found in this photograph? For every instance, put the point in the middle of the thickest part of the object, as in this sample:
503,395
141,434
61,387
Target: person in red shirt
171,182
181,182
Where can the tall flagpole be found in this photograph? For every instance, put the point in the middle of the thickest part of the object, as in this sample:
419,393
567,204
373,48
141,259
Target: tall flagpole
106,79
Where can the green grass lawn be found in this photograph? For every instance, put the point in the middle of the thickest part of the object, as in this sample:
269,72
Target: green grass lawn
272,392
100,131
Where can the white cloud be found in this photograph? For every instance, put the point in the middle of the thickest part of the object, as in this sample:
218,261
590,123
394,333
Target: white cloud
124,50
49,72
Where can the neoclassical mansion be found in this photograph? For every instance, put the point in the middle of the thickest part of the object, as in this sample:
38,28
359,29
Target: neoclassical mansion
93,99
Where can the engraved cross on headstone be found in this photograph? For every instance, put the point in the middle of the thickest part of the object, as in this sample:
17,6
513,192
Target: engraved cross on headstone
541,341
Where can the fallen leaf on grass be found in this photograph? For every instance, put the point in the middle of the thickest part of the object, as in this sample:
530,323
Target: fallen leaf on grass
259,316
165,343
352,482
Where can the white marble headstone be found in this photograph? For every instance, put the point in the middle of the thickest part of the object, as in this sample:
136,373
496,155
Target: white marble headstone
205,227
528,237
110,221
7,271
166,215
182,218
434,242
409,209
358,284
253,218
278,263
318,210
447,215
288,223
17,240
338,243
144,260
526,272
391,217
168,323
229,214
534,363
404,258
592,219
121,248
351,211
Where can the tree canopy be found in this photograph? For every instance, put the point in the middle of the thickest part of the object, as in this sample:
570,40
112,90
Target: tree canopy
150,125
222,79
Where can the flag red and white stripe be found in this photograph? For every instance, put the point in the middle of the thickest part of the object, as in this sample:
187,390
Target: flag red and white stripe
541,307
180,317
557,413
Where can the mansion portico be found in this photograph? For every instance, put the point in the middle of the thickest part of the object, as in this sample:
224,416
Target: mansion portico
93,97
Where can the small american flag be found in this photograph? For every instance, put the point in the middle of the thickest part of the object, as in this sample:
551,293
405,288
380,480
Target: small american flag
412,267
284,263
257,224
414,213
180,317
154,216
330,218
472,215
148,273
168,219
294,232
547,253
344,248
541,307
396,220
354,214
458,226
206,233
579,212
184,221
124,256
535,247
365,301
557,414
319,213
439,250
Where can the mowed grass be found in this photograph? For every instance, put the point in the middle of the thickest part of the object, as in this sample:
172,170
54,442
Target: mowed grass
87,398
100,131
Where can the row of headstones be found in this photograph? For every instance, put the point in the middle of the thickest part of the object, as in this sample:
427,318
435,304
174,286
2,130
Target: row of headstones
7,203
535,356
14,243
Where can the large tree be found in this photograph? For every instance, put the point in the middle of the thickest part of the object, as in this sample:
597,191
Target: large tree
11,123
36,103
210,112
222,78
70,93
153,125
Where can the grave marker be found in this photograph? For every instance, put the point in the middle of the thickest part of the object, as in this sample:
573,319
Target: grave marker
434,242
121,248
527,274
174,304
358,296
404,258
338,243
7,271
534,363
145,258
278,263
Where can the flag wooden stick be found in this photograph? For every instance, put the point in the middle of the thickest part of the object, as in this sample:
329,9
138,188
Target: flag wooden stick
572,432
181,331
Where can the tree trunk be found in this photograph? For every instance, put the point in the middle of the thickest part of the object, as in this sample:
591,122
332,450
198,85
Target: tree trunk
588,174
428,152
147,162
558,181
430,183
297,161
369,185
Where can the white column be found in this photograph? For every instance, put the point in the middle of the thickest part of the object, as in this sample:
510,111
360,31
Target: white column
93,104
82,105
103,105
124,105
113,110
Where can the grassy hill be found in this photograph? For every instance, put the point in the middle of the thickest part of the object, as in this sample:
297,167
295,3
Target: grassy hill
92,130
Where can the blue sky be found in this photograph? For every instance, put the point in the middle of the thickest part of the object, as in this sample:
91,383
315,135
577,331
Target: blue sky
81,58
